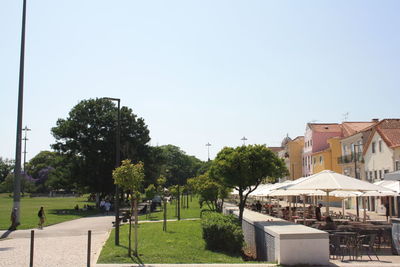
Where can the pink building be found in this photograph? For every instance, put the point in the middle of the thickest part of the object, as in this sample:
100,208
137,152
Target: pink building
315,139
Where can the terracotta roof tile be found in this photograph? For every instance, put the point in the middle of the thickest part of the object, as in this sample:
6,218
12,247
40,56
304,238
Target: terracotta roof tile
350,128
326,127
275,148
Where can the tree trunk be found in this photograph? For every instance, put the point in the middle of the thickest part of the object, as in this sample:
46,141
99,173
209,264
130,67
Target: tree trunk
136,227
130,230
165,216
179,204
242,204
187,200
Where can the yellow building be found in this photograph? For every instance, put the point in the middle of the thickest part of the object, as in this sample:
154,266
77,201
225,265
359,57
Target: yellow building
327,159
291,153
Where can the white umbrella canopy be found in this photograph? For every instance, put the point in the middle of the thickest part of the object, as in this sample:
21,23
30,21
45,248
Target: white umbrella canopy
329,181
389,184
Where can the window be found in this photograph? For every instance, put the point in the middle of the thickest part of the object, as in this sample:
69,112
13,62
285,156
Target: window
371,177
380,174
310,142
320,159
397,167
366,175
352,147
376,174
315,160
373,147
386,171
380,145
360,146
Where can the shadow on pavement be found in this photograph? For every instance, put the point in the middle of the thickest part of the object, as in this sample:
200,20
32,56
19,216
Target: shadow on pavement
6,234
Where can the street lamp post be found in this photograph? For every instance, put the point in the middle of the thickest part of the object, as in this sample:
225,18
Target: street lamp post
244,139
117,163
17,170
208,150
26,129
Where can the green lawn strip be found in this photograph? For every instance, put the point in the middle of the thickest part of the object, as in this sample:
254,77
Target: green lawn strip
57,209
182,243
192,212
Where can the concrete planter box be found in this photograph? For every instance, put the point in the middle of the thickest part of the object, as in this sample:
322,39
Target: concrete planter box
276,240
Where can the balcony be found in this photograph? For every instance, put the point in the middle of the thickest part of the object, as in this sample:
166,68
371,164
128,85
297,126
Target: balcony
350,158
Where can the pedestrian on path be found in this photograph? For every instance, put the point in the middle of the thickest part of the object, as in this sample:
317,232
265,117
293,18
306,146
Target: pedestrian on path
318,212
42,217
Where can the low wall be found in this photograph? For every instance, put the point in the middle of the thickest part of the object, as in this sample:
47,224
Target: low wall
276,240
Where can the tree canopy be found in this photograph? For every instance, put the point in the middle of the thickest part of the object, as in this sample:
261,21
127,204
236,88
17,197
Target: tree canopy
89,135
6,167
245,168
177,166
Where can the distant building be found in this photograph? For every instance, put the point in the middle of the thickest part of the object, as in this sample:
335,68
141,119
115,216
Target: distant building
327,158
292,155
351,159
381,150
315,140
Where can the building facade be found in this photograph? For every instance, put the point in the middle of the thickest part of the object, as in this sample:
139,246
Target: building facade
315,140
382,150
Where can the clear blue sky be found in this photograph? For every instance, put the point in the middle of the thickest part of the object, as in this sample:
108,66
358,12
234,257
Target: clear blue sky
202,71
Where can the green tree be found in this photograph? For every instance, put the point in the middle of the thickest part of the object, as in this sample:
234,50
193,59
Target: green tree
211,191
177,166
52,171
6,167
89,134
163,192
130,177
244,168
150,193
27,184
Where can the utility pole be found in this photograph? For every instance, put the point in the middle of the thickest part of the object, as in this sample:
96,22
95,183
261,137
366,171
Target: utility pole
25,139
17,170
208,150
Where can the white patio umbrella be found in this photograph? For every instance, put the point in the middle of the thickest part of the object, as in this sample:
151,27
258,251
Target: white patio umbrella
329,181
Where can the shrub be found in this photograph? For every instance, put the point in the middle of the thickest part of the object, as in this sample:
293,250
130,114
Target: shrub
222,232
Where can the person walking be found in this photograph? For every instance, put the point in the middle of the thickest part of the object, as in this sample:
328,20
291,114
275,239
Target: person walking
318,214
42,217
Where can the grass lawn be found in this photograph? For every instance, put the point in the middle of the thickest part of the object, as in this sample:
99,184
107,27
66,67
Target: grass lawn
182,243
192,212
57,209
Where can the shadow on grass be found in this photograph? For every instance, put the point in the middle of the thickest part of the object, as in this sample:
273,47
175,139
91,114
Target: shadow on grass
75,212
137,260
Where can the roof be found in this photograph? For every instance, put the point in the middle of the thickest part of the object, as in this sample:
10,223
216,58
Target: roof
275,148
326,127
389,130
299,137
351,128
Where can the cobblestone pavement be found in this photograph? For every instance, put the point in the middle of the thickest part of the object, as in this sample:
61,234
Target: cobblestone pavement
59,245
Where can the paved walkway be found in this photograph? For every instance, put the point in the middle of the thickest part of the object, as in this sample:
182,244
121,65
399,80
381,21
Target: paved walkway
65,245
59,245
